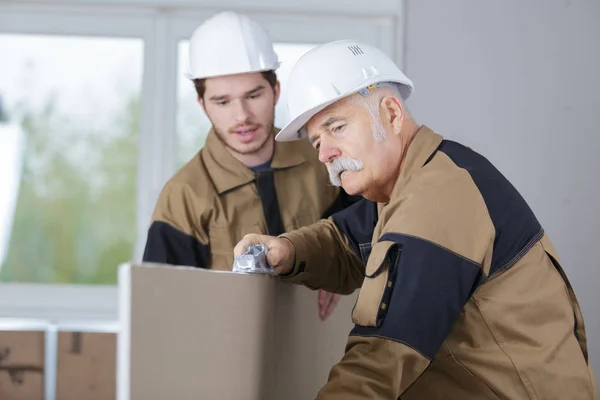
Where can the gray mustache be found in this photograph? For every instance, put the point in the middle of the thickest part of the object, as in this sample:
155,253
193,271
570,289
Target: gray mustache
339,165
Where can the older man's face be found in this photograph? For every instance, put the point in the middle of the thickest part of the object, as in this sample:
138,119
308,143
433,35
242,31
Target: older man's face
343,136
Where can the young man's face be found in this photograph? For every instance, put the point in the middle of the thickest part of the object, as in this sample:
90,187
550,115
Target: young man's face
242,110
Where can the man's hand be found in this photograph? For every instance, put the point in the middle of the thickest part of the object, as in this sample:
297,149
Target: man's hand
280,255
327,303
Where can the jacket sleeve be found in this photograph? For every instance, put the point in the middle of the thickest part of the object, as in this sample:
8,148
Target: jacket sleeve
329,253
421,271
176,236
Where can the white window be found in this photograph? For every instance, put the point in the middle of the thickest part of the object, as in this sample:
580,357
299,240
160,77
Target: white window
98,115
73,105
71,82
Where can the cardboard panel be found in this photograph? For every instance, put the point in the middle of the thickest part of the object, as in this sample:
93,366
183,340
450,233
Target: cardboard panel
205,334
23,385
86,366
25,348
307,346
199,334
21,365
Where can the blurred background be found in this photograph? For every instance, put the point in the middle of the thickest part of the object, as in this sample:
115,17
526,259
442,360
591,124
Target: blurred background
96,114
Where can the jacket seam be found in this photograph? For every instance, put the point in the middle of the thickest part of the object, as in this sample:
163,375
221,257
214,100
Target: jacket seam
524,250
572,302
392,340
407,345
468,370
481,199
193,235
431,242
519,255
499,340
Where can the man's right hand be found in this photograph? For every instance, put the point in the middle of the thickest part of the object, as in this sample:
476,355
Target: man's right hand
280,255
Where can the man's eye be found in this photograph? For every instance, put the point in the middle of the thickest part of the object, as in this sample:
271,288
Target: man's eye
254,96
338,129
222,103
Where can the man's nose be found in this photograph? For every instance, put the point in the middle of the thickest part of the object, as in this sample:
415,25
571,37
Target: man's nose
327,154
241,111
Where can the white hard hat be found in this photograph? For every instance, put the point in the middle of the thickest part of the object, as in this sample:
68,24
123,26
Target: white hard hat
331,71
230,43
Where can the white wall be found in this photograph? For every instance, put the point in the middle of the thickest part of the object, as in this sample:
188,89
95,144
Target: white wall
521,84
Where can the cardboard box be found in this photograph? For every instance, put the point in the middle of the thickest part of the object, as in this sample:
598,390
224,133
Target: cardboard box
21,385
86,366
196,334
21,365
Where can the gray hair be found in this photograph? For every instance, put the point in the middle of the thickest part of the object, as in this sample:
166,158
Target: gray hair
370,100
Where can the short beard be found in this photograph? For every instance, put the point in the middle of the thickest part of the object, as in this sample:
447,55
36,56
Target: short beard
247,151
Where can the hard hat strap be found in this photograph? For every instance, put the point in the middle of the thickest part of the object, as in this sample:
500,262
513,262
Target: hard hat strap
365,91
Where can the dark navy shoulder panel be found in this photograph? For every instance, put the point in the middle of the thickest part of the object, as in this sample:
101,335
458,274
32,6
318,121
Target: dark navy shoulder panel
517,228
167,245
357,223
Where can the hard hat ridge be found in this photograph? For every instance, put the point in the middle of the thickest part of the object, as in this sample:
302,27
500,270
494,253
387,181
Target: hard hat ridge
230,43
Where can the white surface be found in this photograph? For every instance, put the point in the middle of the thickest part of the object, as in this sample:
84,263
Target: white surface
11,160
519,82
23,324
124,336
58,303
357,7
50,362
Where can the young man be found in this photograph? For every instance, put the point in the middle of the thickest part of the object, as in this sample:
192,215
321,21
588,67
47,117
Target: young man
241,181
462,293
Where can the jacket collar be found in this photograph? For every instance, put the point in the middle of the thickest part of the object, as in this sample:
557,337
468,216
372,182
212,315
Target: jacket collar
423,145
227,172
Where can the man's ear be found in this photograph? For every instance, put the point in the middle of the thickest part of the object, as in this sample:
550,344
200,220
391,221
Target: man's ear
201,102
391,111
277,91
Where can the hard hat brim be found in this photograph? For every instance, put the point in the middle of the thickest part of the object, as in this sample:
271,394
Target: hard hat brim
191,77
293,130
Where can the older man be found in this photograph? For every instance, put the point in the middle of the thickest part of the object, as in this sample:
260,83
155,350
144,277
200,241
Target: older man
462,294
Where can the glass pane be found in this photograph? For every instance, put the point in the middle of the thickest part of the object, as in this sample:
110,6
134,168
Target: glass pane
68,158
193,124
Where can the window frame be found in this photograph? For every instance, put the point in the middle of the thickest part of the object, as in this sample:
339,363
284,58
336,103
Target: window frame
161,24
